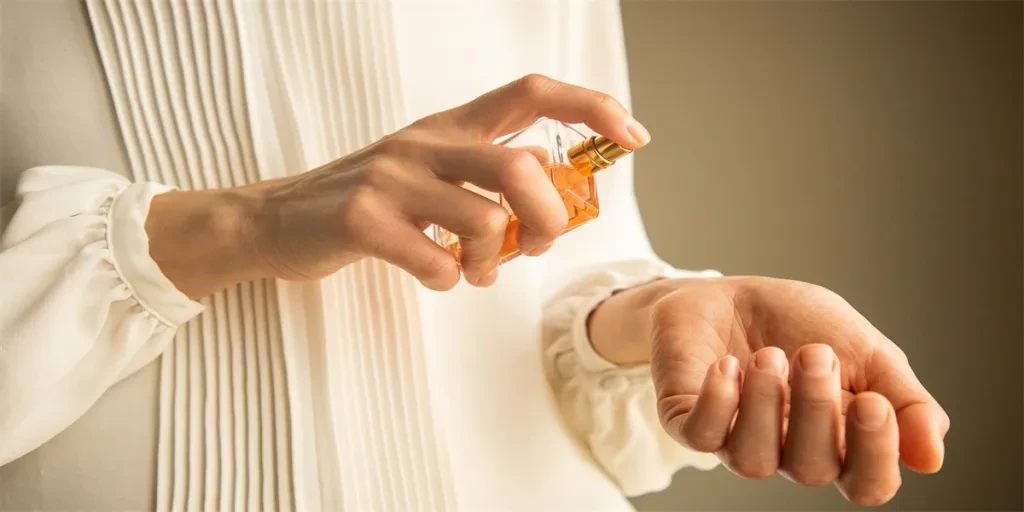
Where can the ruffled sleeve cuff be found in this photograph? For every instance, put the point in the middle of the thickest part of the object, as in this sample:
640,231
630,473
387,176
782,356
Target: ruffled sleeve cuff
84,303
129,248
613,409
571,308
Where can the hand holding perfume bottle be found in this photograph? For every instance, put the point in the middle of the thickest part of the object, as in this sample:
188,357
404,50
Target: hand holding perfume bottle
569,160
379,201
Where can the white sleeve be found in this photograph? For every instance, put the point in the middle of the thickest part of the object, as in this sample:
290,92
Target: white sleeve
612,410
83,304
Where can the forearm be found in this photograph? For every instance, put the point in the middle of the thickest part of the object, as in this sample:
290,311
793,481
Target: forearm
204,240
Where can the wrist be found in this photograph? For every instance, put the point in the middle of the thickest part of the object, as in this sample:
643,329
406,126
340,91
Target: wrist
204,240
619,327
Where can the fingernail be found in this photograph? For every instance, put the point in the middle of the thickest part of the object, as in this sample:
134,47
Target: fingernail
773,361
816,360
487,279
638,132
729,367
871,415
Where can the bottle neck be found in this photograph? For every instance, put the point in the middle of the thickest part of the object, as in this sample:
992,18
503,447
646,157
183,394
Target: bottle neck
595,154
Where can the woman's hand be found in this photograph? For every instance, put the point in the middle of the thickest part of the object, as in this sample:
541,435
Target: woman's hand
378,201
778,376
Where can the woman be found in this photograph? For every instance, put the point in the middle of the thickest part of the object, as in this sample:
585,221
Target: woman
320,375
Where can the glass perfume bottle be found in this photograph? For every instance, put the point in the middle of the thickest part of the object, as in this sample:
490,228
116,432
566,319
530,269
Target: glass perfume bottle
572,160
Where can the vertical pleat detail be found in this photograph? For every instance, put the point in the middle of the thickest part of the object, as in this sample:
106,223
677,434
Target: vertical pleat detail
375,441
175,74
232,380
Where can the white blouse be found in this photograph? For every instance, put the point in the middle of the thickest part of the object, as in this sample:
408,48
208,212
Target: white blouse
364,391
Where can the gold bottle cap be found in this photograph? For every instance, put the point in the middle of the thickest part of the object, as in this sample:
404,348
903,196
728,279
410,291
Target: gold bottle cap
596,153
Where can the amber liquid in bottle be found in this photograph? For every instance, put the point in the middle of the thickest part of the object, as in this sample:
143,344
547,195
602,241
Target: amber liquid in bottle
570,170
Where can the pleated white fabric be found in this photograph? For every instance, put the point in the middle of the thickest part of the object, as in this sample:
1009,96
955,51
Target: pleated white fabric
331,83
175,76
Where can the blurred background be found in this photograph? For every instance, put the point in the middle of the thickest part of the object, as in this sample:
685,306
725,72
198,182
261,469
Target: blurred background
871,147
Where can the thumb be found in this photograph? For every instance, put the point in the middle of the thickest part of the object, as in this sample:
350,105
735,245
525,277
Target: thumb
681,358
678,384
922,421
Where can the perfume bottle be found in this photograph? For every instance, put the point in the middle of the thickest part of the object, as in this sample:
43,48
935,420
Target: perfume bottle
572,160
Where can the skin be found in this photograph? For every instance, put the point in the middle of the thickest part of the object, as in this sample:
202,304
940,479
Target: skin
377,201
770,375
777,376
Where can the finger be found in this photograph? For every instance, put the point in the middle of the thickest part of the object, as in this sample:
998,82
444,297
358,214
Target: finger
487,279
479,222
755,444
871,472
542,155
515,106
542,249
922,422
811,453
680,364
707,426
400,243
846,398
519,176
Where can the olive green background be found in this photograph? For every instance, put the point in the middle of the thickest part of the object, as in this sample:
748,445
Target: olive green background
871,147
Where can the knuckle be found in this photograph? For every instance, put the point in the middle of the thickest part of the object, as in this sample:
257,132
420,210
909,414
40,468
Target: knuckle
491,221
521,171
383,171
893,352
428,128
534,85
523,161
425,123
439,270
395,144
607,101
358,205
518,168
